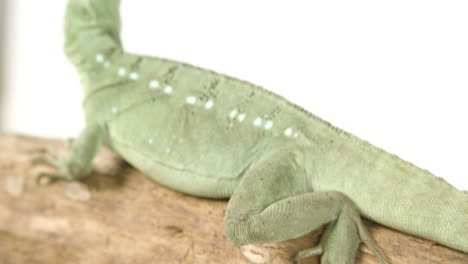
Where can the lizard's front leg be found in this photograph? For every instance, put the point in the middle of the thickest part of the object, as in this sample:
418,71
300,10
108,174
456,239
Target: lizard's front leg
77,163
272,203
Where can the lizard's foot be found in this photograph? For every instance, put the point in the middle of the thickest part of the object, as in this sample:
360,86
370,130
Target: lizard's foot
76,163
341,239
50,158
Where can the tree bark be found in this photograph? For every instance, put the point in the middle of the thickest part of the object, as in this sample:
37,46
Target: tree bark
117,215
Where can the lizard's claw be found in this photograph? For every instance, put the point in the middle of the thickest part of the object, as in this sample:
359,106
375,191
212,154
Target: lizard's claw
42,157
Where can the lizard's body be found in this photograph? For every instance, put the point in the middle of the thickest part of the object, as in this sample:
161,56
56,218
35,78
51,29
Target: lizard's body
206,145
210,135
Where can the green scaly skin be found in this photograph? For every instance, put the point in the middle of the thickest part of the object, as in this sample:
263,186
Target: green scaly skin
286,171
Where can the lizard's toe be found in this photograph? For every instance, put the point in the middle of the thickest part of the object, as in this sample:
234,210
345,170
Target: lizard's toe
310,252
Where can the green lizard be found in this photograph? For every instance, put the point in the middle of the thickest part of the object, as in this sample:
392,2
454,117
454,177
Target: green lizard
286,171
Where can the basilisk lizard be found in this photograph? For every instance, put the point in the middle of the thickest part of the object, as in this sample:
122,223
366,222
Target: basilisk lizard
286,171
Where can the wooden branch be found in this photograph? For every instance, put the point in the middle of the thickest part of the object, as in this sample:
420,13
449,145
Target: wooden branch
119,216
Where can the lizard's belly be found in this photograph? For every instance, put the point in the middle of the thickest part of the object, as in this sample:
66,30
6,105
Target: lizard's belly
185,148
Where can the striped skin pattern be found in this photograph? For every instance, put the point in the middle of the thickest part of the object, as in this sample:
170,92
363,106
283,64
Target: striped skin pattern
286,171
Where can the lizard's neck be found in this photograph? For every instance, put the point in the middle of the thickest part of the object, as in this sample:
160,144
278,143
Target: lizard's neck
92,32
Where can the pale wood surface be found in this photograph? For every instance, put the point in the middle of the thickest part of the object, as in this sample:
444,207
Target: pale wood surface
119,216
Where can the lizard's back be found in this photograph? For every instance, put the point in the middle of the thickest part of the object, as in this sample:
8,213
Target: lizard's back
193,130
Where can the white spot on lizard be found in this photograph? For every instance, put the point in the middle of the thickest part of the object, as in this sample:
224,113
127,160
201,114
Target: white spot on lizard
134,76
99,58
114,110
153,84
257,122
233,114
288,132
168,89
191,100
241,117
151,141
107,64
121,72
209,104
268,124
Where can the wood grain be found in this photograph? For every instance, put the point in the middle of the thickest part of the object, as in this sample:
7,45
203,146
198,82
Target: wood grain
117,215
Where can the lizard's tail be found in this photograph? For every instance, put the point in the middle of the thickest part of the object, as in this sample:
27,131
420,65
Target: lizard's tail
92,27
398,194
389,190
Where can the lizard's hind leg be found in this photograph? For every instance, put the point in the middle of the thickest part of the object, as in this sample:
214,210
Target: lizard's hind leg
273,203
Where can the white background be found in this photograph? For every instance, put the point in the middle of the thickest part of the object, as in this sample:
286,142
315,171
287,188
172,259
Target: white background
391,72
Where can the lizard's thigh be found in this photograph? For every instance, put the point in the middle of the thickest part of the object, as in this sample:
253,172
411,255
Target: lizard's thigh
273,202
